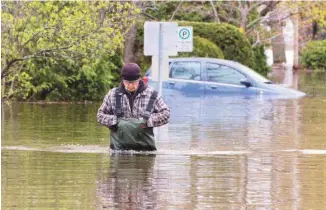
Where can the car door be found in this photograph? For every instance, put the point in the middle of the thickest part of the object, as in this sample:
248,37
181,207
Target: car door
185,78
224,80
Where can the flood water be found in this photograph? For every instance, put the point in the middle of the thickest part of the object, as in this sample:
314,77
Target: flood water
214,154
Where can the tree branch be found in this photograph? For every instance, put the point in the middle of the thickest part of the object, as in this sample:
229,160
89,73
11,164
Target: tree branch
269,7
149,16
255,21
29,40
42,53
217,19
284,18
5,70
228,6
226,18
265,40
175,11
229,19
264,18
255,5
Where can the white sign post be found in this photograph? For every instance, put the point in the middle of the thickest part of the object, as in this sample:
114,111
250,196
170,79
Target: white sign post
160,42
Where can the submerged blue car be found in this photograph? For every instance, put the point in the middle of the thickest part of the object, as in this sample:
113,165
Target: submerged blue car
211,77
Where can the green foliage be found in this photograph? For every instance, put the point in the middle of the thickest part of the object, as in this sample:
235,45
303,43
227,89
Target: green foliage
188,11
260,60
62,49
314,55
232,42
234,45
49,79
194,11
203,48
253,15
162,10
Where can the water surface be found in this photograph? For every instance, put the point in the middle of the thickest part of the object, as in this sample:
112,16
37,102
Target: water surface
230,153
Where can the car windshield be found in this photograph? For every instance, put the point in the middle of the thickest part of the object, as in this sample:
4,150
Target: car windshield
253,74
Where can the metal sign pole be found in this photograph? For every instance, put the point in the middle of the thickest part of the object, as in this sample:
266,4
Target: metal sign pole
160,56
160,52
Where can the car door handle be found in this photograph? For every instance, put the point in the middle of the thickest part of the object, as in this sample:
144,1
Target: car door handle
172,83
213,87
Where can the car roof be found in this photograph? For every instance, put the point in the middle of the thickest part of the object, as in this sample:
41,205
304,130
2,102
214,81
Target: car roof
221,61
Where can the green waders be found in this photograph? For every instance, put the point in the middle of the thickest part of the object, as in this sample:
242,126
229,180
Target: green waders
130,135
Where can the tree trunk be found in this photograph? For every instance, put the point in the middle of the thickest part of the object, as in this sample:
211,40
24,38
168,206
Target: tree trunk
175,11
3,88
129,45
295,21
8,65
244,16
216,18
278,45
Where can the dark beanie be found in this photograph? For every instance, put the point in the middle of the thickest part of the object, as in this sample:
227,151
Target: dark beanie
130,72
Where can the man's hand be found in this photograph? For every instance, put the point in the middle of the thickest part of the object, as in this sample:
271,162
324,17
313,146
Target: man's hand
143,125
113,128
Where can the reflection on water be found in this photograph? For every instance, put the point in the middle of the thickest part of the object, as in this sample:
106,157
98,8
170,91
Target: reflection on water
48,180
246,125
215,153
129,183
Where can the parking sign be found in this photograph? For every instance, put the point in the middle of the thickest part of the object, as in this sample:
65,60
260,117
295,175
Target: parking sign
185,39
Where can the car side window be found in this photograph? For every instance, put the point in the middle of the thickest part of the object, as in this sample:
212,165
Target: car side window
223,74
149,70
189,70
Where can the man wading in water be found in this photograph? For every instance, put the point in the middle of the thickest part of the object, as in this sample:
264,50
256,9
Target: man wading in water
131,111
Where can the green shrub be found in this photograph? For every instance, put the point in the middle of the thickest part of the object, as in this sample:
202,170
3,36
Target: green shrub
234,45
260,60
66,80
314,55
228,38
203,48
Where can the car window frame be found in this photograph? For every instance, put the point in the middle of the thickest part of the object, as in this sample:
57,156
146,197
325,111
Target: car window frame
220,64
195,61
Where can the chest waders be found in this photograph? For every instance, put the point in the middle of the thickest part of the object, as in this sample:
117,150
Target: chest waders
130,135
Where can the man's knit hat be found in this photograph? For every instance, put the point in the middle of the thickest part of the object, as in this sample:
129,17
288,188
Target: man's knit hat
130,72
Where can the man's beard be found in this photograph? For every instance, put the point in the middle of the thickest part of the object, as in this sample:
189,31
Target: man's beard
132,90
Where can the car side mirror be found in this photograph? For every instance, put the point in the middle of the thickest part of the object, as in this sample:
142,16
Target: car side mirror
246,83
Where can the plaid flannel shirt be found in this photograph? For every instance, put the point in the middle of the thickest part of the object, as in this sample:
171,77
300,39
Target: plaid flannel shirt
160,113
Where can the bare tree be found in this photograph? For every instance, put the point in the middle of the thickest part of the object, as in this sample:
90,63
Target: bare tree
216,18
130,38
175,11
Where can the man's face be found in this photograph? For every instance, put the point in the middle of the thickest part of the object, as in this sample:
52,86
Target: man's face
131,86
